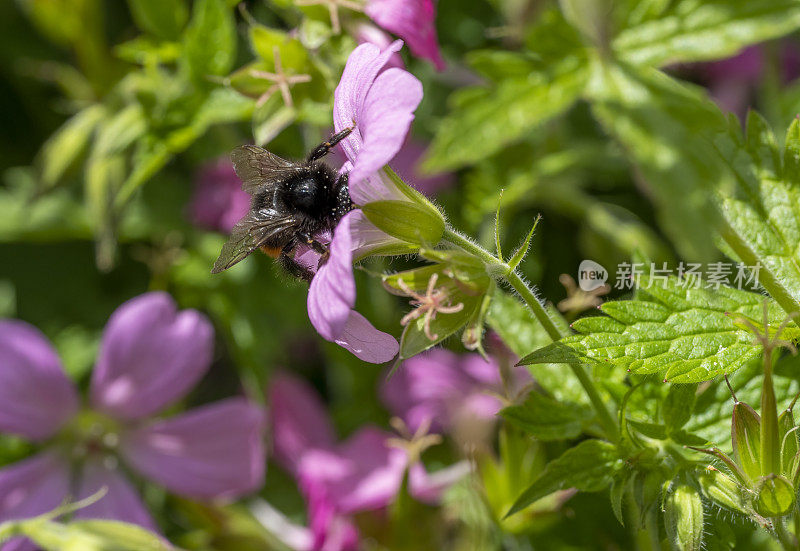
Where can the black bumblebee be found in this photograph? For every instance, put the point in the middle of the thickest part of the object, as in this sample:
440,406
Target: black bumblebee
292,203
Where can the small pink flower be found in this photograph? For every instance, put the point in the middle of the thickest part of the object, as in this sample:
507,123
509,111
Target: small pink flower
412,20
219,200
379,104
362,473
439,387
150,356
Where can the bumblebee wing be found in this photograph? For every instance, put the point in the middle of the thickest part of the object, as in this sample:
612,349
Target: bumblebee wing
255,167
249,234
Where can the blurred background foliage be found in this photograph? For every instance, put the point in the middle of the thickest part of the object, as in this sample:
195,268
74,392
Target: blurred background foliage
113,111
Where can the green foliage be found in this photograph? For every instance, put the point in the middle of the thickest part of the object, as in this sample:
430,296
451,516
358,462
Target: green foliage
683,334
589,466
547,419
763,225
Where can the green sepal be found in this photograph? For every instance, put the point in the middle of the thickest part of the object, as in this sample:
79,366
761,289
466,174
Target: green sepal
722,489
406,221
774,496
746,440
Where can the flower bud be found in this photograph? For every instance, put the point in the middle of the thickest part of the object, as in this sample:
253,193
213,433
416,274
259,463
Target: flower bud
774,496
683,518
722,489
788,443
746,436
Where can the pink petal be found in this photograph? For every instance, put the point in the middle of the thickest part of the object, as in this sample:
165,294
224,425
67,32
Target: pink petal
30,488
365,342
406,164
430,487
209,452
365,237
36,398
384,120
121,501
218,201
411,20
363,65
151,355
299,420
425,387
367,32
364,473
333,290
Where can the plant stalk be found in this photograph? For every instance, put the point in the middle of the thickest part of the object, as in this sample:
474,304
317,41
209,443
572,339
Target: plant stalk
514,280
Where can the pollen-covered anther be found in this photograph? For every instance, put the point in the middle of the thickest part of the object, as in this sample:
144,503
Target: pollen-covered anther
434,301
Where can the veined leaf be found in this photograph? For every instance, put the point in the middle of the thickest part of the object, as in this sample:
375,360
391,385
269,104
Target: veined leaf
763,209
547,419
210,39
666,129
696,30
685,335
589,466
493,118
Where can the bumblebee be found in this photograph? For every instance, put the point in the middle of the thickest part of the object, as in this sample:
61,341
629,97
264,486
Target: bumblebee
292,202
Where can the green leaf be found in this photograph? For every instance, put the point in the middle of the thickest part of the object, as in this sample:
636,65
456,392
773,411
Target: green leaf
678,406
589,467
209,40
163,18
265,40
683,334
522,250
761,211
666,129
697,30
492,119
67,143
547,419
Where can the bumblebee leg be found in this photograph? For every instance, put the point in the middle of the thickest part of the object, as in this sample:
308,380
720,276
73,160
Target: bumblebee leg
294,268
322,149
315,245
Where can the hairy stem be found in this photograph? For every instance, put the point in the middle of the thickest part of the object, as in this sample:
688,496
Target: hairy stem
504,272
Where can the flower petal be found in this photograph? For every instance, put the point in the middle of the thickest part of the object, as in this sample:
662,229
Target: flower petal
368,33
209,452
333,290
36,397
219,200
363,65
429,487
384,120
411,20
364,473
425,388
30,488
365,342
121,501
299,421
150,356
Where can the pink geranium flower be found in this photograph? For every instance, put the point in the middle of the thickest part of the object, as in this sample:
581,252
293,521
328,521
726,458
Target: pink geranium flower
338,479
379,104
412,20
150,356
219,200
440,388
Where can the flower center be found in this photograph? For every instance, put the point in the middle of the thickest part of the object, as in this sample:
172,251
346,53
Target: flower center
90,433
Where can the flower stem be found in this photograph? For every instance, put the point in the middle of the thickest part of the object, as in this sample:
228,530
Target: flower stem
502,271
